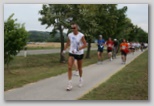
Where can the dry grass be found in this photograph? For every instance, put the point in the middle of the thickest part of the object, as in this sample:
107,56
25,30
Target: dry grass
48,45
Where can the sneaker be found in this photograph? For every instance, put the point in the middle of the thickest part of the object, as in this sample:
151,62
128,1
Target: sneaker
80,82
122,62
69,86
76,73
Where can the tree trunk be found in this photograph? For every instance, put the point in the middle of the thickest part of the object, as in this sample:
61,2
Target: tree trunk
7,67
88,50
62,58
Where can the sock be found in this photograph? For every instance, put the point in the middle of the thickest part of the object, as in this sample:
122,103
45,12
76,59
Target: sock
70,81
81,79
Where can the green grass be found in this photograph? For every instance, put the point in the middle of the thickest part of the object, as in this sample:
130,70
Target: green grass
130,83
37,67
40,48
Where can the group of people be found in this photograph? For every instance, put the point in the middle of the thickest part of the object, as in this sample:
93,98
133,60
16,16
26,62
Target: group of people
112,47
77,43
135,46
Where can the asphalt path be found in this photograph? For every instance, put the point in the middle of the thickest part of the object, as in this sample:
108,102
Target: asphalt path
42,51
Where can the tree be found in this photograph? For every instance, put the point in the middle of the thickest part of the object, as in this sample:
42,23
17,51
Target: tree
121,24
56,16
104,19
15,38
88,24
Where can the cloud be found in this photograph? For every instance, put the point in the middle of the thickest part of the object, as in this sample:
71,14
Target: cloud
28,14
138,13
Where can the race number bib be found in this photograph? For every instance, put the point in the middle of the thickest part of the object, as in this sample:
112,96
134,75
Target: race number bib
109,45
101,46
123,47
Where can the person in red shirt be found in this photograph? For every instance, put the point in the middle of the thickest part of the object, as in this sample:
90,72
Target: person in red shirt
124,50
109,45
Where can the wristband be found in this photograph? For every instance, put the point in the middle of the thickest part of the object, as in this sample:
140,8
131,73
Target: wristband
64,51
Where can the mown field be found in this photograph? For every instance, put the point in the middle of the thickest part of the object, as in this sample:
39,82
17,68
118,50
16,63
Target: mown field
47,45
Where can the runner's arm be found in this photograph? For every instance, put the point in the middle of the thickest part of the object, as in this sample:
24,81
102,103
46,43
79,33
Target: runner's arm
84,43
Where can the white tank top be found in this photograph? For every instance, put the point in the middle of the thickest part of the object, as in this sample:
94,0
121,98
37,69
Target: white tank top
75,42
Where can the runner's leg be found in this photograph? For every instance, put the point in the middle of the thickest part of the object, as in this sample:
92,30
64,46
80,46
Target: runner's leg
80,72
70,65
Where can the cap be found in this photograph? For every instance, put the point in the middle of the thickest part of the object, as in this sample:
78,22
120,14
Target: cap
115,39
100,36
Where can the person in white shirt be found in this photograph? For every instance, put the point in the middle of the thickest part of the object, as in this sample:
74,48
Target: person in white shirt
77,43
133,47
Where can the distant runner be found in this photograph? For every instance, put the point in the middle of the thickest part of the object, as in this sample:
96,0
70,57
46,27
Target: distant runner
109,44
115,48
100,44
124,50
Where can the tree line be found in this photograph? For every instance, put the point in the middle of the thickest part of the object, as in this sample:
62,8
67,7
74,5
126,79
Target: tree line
93,19
44,36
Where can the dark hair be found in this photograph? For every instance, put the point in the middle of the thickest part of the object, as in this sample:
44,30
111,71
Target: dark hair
73,23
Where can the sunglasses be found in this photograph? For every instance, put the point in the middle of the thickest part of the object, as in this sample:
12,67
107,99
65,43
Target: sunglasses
73,28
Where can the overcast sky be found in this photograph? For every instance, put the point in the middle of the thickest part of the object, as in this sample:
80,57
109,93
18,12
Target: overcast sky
28,14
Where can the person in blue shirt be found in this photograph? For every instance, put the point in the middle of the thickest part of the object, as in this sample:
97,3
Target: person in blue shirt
100,44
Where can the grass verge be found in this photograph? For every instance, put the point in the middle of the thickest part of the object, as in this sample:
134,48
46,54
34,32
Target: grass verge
130,83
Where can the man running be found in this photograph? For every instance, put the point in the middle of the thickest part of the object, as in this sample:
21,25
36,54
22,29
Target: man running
77,43
109,44
115,48
124,51
100,44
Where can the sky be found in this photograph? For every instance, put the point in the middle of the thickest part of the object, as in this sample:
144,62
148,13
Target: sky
28,14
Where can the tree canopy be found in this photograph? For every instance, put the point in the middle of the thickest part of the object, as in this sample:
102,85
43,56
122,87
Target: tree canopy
93,19
15,38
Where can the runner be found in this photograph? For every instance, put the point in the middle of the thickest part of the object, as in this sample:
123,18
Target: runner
109,44
124,51
132,47
142,46
129,46
77,43
115,48
138,46
100,44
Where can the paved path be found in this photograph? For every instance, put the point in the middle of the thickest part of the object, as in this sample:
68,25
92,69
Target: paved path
43,51
54,88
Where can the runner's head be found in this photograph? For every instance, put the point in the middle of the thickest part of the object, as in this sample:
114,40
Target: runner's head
74,27
110,39
100,36
124,40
